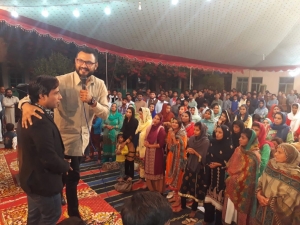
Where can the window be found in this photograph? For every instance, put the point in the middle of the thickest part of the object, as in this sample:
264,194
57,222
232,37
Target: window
286,84
15,79
242,84
256,82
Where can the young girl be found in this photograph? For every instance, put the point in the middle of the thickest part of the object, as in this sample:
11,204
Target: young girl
120,156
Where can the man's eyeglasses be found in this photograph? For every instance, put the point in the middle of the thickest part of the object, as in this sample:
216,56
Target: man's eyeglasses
87,63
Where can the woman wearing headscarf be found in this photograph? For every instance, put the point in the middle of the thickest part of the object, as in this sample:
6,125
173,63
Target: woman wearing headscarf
293,119
209,121
195,115
154,157
264,146
217,110
236,129
251,108
224,119
278,191
274,109
193,179
128,129
111,128
219,153
152,110
243,167
280,129
244,116
145,121
262,109
167,116
176,157
187,123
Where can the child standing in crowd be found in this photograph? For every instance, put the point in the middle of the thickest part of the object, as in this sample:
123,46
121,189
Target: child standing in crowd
120,156
10,137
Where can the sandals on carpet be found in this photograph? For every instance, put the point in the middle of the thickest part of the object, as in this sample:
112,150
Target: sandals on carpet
190,221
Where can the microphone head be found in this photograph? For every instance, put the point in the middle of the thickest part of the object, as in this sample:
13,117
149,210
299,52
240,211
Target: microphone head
83,82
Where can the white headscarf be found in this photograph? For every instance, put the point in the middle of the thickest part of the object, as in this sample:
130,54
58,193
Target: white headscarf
295,119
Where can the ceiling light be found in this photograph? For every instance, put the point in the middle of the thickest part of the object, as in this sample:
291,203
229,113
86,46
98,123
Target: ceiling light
175,2
107,10
14,14
140,6
45,13
76,13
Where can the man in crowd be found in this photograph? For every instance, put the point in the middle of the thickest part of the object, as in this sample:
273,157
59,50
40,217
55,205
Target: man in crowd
159,104
192,102
217,100
83,96
152,99
119,100
113,97
41,156
272,101
227,103
291,98
123,108
175,108
9,102
139,102
243,100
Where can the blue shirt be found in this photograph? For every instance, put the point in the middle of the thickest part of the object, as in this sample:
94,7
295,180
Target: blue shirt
97,126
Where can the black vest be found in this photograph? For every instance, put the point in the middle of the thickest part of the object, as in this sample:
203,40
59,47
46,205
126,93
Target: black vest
8,138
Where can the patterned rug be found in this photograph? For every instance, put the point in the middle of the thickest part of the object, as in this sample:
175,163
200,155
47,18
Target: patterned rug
13,202
102,182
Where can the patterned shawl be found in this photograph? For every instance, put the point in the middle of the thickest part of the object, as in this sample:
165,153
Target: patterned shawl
243,170
280,183
179,157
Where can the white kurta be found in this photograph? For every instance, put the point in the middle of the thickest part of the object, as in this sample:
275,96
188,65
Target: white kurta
9,104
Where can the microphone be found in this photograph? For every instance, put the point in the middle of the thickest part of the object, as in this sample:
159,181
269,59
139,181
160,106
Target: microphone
83,82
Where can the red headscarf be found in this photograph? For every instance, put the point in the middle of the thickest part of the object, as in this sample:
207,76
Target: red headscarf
166,116
270,114
262,136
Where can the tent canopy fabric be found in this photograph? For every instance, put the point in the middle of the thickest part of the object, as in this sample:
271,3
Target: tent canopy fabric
227,35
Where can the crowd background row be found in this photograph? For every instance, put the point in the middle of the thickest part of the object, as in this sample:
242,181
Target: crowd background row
192,145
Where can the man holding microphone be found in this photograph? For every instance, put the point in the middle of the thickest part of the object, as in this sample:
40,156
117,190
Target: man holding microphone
83,96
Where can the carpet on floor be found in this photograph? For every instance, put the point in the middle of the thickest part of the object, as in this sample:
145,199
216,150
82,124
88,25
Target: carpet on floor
102,182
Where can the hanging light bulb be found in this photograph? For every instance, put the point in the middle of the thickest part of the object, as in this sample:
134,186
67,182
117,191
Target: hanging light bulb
140,5
175,2
107,10
14,13
45,13
76,13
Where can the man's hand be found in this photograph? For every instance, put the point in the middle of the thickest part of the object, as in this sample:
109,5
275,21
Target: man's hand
85,96
28,111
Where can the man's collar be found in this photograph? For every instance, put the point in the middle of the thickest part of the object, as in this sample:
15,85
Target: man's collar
48,111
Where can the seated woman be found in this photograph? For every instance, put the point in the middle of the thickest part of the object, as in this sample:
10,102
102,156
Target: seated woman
274,109
280,129
209,121
224,119
278,190
219,153
256,118
195,114
262,110
243,167
193,179
217,111
264,146
187,123
236,129
244,116
293,119
250,107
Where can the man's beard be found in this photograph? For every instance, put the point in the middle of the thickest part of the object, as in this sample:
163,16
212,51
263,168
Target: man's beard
90,73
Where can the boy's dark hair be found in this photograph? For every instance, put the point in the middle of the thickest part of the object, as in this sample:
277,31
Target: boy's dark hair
10,127
88,51
147,208
120,135
277,140
43,84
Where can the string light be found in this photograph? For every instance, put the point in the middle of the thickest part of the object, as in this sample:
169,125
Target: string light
14,13
107,10
76,13
175,2
45,13
140,5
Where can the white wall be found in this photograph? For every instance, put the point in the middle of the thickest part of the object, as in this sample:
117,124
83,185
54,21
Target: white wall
271,79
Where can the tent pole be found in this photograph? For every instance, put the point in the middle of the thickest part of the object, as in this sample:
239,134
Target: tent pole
190,86
106,70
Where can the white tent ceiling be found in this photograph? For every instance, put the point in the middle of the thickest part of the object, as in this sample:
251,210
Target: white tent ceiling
233,32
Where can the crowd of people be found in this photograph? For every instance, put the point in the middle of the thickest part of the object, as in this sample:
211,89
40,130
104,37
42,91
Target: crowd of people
236,154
